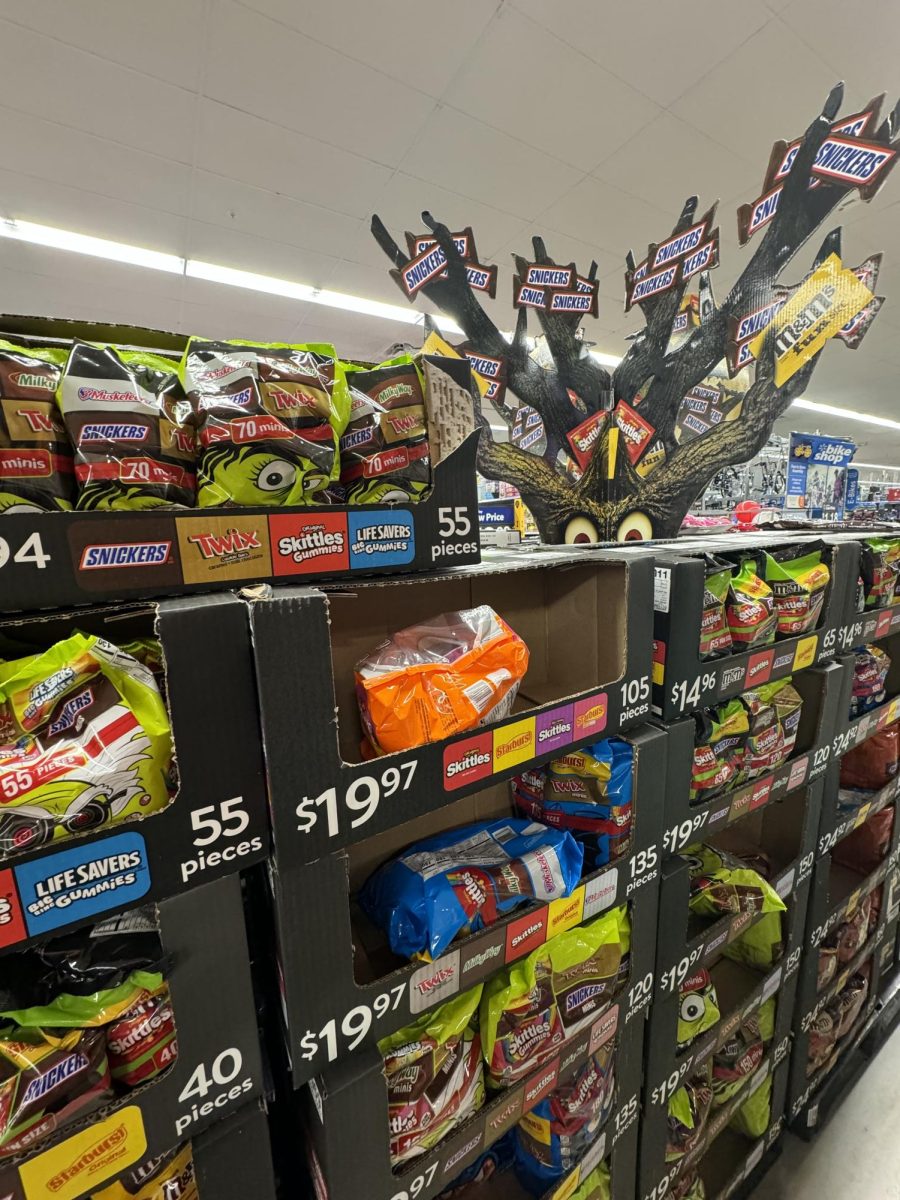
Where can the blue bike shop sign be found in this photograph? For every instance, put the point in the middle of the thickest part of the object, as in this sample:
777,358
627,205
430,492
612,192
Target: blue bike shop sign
812,460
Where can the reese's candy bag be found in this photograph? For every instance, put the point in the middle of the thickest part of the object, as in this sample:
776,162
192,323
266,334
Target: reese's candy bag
715,636
533,1005
880,565
798,580
131,427
753,1117
721,883
434,1075
36,471
870,671
460,881
698,1007
85,741
384,449
752,619
169,1177
444,676
720,744
269,420
688,1113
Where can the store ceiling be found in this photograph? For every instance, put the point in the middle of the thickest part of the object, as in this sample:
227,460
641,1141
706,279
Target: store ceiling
262,135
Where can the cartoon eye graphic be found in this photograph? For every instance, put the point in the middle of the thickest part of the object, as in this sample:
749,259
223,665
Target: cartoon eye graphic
692,1008
581,531
276,475
636,527
314,481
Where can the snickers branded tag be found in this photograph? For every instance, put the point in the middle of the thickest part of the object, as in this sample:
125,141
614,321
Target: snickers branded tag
525,295
573,304
464,242
548,275
704,258
649,286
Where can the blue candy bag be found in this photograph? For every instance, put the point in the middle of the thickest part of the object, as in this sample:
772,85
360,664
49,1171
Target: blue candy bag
494,1161
460,881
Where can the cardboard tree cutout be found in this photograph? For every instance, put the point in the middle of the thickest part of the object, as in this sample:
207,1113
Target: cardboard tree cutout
600,457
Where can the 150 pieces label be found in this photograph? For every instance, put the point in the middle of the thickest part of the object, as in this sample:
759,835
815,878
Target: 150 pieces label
82,882
383,538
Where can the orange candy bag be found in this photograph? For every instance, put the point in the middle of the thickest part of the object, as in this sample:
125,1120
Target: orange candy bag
451,673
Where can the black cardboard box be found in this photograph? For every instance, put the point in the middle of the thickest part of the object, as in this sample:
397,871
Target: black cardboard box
218,1069
218,822
587,625
682,681
233,1158
335,1001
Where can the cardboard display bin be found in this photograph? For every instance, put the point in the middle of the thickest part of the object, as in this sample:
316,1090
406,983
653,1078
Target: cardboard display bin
233,1158
216,824
342,988
587,626
682,681
217,1072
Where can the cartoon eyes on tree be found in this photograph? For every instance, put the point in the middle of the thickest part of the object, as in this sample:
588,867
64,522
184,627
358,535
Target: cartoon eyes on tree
636,527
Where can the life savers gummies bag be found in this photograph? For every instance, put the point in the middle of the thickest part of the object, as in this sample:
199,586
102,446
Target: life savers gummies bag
269,419
722,883
85,741
532,1006
434,1075
131,426
444,676
715,636
169,1177
588,792
36,469
798,580
384,449
752,618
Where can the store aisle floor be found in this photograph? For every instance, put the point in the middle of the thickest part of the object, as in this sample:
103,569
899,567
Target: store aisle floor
858,1153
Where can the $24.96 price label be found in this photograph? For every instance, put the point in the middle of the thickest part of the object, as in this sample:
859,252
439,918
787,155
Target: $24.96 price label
360,798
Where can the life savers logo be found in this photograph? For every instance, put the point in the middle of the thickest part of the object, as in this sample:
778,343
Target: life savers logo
467,761
125,554
305,545
383,537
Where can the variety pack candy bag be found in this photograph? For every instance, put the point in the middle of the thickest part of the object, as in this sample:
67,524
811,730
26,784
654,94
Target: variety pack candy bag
597,1186
531,1007
715,636
774,712
850,1001
384,449
870,671
868,845
739,1057
131,426
750,608
142,1042
689,1187
269,415
754,1116
84,741
827,964
460,881
494,1161
720,744
688,1113
873,763
36,470
169,1177
822,1041
798,579
589,793
721,883
552,1137
434,1074
880,563
845,942
761,945
698,1008
438,678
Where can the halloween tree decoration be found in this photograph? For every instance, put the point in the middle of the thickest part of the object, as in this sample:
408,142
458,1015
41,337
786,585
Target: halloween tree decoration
600,457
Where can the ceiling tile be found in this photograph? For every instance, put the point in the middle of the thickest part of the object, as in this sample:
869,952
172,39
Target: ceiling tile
660,49
134,35
61,83
43,294
231,248
550,96
466,156
210,318
242,303
601,215
87,273
237,145
862,52
416,41
258,65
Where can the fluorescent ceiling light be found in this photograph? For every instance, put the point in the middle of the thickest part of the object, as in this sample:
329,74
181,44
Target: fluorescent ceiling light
80,243
875,466
849,414
196,269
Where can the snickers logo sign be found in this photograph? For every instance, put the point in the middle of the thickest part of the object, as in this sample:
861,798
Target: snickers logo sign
573,303
704,258
549,275
644,289
463,241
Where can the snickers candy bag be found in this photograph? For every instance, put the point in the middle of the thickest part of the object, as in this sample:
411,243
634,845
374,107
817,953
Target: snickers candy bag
715,636
688,1113
460,881
36,470
384,449
85,741
698,1007
880,564
131,427
752,617
47,1081
531,1007
142,1042
434,1075
720,745
721,883
870,671
169,1177
589,793
269,419
798,580
739,1057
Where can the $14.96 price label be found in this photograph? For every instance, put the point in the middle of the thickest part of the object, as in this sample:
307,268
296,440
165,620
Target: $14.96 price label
352,1030
359,800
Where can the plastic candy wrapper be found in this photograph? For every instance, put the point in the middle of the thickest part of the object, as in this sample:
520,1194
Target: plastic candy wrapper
752,619
715,636
142,1042
84,741
589,793
873,763
698,1007
870,672
852,934
552,1137
760,946
132,429
270,415
868,845
36,468
597,1186
740,1056
689,1187
822,1042
688,1113
460,881
774,712
721,883
434,1074
880,566
798,579
720,743
531,1007
48,1081
169,1177
847,1005
384,449
441,677
754,1116
827,965
494,1161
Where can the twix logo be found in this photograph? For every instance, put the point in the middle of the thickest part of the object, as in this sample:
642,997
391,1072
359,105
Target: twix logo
220,545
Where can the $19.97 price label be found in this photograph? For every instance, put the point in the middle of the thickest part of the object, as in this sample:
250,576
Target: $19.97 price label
359,800
341,1036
